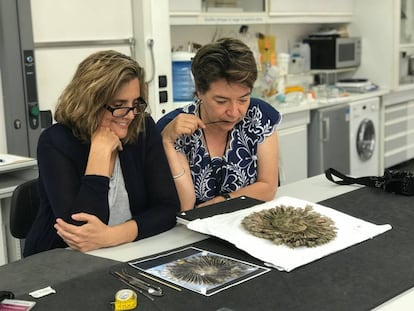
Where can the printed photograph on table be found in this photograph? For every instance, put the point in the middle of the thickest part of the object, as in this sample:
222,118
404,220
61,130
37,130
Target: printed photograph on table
199,270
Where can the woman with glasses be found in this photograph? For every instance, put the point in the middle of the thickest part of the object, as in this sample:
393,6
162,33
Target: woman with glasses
224,144
104,178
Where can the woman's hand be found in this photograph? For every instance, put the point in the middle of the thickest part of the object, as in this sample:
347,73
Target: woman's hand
92,235
214,200
104,137
104,143
183,124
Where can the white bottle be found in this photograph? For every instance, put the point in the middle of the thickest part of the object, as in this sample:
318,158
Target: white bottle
305,52
283,63
301,51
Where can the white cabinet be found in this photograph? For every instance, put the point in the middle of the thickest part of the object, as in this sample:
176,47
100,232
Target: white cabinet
387,31
293,147
211,12
406,43
65,32
398,131
314,6
183,6
410,130
11,175
312,11
216,6
88,20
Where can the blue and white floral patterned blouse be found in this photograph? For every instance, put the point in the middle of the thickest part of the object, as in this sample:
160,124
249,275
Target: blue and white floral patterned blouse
237,168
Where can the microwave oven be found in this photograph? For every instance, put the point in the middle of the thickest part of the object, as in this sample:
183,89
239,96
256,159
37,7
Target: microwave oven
333,52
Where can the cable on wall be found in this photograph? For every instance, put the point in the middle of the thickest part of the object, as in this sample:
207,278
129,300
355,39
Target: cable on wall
150,44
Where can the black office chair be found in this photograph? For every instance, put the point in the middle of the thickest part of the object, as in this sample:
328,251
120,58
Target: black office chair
24,207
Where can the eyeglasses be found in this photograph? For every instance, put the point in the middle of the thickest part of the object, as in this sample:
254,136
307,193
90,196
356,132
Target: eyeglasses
120,112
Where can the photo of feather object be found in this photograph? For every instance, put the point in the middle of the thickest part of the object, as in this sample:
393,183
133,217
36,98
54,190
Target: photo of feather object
205,270
293,227
200,270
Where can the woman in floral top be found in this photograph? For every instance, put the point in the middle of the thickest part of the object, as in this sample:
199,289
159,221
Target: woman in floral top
224,144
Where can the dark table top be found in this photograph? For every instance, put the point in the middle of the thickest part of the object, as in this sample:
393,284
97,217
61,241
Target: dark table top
360,277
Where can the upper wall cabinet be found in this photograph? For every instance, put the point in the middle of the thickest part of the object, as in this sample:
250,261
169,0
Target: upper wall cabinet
387,41
221,12
406,44
217,12
315,11
65,32
81,20
407,23
218,6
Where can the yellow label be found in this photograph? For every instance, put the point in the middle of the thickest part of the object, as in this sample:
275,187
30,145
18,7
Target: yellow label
125,299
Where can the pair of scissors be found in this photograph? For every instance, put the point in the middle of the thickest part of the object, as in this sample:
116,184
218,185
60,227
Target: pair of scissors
141,286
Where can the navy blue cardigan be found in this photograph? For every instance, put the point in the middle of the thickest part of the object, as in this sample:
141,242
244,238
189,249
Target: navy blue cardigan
65,190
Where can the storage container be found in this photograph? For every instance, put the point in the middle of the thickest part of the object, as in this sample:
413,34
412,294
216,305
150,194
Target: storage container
183,82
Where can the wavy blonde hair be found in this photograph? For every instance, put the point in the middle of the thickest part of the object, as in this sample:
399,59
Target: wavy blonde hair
95,83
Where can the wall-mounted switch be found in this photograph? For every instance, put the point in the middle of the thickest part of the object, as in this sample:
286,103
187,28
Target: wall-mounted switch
163,96
162,81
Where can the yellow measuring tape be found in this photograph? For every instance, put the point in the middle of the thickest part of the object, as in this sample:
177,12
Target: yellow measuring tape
125,299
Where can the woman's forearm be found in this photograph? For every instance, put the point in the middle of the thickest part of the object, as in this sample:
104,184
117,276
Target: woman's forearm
180,171
122,233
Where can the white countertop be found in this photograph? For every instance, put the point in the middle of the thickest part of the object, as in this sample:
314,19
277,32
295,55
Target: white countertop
286,108
15,170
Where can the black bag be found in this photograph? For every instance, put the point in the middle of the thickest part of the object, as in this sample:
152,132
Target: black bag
400,182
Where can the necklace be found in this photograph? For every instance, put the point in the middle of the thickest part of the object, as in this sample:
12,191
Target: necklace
216,163
205,138
225,145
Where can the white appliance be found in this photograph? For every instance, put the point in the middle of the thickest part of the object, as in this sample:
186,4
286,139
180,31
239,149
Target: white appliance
364,120
328,140
346,138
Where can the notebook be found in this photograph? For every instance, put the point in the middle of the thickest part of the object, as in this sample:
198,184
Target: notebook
224,207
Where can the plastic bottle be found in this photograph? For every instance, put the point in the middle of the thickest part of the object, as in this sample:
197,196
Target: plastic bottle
283,63
305,53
